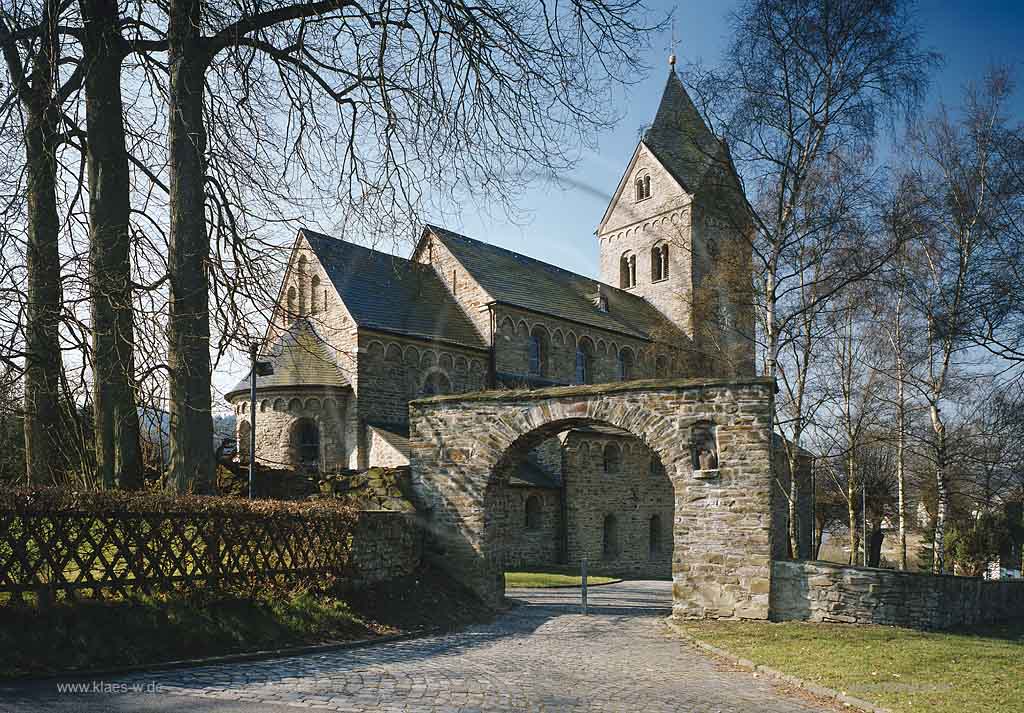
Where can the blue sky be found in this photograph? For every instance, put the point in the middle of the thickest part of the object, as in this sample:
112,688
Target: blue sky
558,222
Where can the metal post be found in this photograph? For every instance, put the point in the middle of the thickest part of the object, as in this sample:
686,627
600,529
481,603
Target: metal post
583,583
253,351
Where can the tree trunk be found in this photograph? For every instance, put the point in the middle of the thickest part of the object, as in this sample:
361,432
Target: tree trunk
875,546
44,417
901,485
795,550
118,455
901,432
192,463
851,504
942,493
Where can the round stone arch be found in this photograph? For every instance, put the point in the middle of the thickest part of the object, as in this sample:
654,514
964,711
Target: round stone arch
463,445
500,467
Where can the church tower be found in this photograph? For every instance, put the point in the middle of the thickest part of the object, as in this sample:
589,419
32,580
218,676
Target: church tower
677,234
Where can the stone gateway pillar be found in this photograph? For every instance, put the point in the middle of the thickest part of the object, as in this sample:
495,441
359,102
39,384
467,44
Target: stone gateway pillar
712,435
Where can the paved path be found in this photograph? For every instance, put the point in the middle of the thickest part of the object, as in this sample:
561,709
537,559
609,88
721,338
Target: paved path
541,656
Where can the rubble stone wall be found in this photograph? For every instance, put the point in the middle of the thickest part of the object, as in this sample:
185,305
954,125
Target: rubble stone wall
826,592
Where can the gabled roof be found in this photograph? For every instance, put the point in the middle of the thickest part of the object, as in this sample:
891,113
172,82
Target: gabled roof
521,281
300,358
681,140
391,294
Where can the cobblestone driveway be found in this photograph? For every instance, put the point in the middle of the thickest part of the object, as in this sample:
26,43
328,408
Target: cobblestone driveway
541,656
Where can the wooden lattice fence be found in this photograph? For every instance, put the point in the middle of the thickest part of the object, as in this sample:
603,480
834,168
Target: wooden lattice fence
98,545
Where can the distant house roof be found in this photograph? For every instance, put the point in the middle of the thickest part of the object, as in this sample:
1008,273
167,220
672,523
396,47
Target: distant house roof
681,140
531,475
521,281
299,358
395,436
391,294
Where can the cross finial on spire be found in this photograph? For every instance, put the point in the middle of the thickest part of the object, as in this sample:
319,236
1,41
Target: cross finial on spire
672,52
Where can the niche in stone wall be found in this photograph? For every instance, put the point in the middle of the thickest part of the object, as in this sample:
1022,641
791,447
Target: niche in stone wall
704,450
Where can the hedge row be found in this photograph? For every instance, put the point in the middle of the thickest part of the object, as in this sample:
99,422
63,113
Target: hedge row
111,502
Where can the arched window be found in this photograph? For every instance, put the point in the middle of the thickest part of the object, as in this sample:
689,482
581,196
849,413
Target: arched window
314,295
612,458
244,436
539,351
654,536
436,384
626,364
610,537
533,513
659,262
643,187
290,301
627,270
306,443
585,362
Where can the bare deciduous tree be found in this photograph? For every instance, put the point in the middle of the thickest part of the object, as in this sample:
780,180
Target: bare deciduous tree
394,102
806,87
32,49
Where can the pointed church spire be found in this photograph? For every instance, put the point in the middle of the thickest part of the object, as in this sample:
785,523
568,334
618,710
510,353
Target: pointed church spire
679,138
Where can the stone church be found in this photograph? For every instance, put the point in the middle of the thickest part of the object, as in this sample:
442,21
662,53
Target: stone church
357,334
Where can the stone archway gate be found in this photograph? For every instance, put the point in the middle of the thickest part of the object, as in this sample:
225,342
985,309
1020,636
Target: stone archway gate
721,563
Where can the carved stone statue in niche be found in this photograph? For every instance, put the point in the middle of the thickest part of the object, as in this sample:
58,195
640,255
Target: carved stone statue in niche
708,460
704,447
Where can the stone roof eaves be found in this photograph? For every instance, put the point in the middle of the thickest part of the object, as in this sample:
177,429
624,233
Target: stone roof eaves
425,338
588,390
270,390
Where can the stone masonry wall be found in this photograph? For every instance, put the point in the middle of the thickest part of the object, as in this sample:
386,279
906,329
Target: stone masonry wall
385,545
461,445
334,325
523,546
634,227
512,350
825,592
632,494
278,410
393,370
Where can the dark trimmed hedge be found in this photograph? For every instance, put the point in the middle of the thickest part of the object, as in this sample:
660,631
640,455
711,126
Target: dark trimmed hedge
51,500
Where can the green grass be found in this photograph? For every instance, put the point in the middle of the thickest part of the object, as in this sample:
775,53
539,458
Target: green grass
551,579
973,671
69,636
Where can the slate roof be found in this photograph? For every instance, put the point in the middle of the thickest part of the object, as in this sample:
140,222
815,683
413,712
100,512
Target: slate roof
521,281
681,140
392,294
300,358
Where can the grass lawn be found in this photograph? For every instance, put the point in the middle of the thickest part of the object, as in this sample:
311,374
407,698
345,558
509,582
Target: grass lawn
97,635
552,579
975,671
